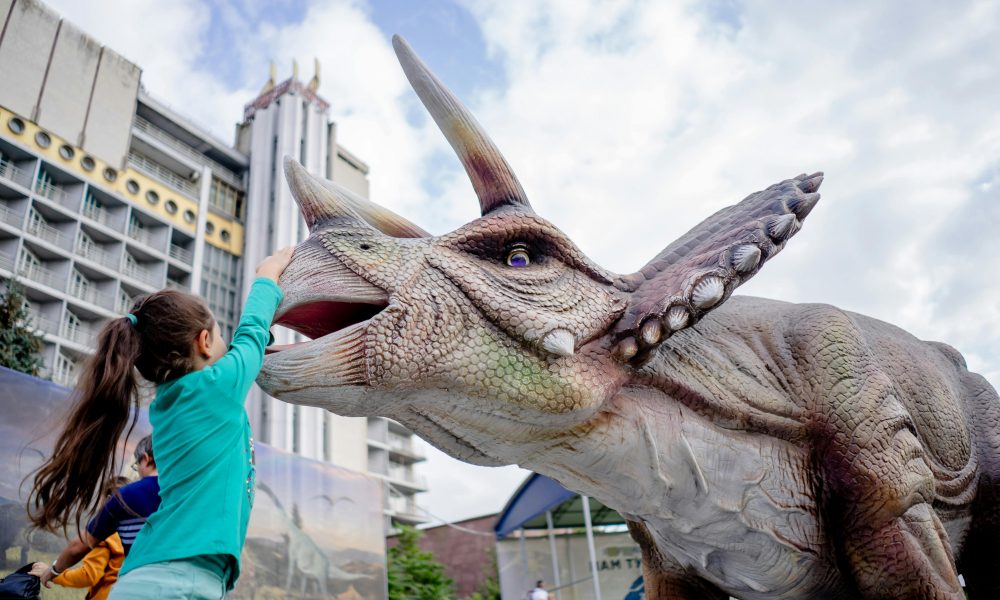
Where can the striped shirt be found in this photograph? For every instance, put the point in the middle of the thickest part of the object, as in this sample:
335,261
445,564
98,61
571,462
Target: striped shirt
126,511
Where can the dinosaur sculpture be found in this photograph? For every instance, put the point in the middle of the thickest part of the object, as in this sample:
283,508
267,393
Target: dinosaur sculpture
758,449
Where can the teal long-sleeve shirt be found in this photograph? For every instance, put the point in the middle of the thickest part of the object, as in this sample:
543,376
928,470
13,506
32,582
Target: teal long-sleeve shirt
204,450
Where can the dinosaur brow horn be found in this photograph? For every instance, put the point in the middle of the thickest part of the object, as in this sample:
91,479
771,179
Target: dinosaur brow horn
316,203
492,178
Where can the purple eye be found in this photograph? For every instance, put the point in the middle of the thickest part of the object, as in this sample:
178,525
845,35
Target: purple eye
518,257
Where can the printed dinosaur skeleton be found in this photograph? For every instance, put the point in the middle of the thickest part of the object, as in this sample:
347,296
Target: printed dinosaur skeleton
757,448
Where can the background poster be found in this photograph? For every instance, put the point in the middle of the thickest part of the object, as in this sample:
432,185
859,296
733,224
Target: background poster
316,531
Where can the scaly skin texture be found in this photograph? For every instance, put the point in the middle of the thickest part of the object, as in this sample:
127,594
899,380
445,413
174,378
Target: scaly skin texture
758,449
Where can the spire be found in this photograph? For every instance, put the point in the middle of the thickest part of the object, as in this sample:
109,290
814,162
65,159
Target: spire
269,85
295,70
314,82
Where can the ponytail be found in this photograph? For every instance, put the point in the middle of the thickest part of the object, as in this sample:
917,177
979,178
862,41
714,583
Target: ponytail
83,460
155,339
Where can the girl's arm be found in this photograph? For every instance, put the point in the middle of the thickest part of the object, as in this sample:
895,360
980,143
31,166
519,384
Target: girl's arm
246,353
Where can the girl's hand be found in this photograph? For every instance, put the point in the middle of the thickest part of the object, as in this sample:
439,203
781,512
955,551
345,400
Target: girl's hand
273,266
38,568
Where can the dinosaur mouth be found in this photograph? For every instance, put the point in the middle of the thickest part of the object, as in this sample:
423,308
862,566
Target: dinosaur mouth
320,318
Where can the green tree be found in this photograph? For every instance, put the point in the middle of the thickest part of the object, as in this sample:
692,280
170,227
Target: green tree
415,574
20,346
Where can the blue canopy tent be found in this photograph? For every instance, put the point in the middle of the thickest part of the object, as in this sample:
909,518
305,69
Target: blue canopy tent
543,503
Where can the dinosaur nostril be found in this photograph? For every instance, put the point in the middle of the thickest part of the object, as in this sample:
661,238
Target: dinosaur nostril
365,247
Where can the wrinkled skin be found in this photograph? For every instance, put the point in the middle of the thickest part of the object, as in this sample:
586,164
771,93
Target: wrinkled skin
758,449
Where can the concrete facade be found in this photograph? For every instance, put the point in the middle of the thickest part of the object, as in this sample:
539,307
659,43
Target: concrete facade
65,81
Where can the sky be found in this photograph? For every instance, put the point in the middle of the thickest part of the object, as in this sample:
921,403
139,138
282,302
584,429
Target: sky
629,122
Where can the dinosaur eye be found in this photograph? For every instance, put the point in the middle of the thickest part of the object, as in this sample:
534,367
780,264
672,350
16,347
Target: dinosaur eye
518,257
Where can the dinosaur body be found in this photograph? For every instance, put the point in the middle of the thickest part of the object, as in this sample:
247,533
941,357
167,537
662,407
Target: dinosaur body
758,449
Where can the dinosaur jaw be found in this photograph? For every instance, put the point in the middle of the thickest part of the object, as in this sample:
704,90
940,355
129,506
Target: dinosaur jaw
318,371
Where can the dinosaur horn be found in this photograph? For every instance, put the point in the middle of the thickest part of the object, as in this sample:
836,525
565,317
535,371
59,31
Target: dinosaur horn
333,193
492,178
317,204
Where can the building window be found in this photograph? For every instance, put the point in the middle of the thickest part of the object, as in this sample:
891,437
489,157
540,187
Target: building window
72,325
37,225
132,186
224,234
87,163
66,152
226,198
171,206
43,140
16,125
209,228
28,262
110,175
152,197
189,216
65,369
80,286
86,245
124,302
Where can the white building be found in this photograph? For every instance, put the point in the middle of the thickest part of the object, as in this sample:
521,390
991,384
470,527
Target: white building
106,194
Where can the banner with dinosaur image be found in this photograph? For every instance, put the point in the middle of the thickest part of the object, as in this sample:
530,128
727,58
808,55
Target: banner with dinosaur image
316,531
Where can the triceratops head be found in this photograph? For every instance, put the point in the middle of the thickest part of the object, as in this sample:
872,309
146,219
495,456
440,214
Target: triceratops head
501,331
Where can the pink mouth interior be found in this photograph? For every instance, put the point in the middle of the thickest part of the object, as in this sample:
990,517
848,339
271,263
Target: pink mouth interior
316,319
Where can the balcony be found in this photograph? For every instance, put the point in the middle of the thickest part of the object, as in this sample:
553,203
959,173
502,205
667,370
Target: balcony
175,144
139,234
176,285
7,261
89,293
163,174
403,479
406,510
49,234
182,254
10,216
123,305
139,273
14,174
82,334
96,254
41,275
98,214
47,189
403,447
42,324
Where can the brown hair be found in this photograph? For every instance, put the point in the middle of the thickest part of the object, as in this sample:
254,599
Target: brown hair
159,345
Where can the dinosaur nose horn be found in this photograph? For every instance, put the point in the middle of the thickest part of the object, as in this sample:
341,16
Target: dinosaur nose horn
317,203
492,178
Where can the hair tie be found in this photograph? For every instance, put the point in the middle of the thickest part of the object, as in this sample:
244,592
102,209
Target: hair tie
134,320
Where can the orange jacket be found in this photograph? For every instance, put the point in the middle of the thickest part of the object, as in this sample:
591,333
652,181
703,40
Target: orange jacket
98,571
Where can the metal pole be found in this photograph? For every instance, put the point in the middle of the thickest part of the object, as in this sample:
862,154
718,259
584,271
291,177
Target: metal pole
524,555
552,549
590,546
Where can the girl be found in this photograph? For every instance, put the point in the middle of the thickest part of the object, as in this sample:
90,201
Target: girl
189,547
